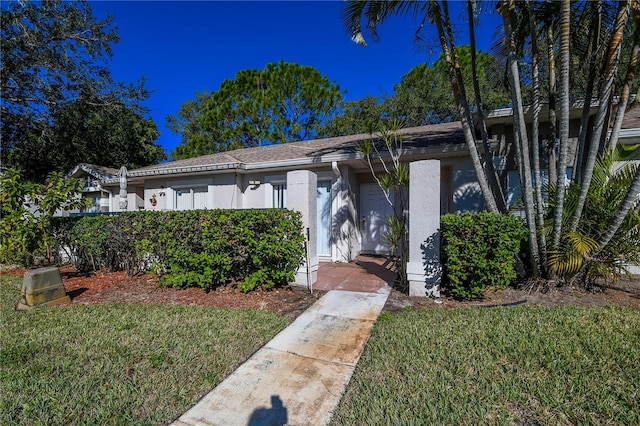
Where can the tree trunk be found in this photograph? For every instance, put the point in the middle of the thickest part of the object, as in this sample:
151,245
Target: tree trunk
535,134
565,25
628,80
490,169
594,70
520,135
605,97
463,107
551,144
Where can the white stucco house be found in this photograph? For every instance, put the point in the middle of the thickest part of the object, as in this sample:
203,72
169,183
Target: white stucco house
350,206
329,181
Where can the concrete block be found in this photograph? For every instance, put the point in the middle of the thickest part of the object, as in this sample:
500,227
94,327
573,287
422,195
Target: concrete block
42,286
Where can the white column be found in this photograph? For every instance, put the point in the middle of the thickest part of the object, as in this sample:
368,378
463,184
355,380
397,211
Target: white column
424,270
301,196
345,216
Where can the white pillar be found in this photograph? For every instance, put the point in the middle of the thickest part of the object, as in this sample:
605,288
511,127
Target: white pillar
302,186
424,270
343,226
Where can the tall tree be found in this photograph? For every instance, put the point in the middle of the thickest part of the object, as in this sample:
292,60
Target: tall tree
187,123
364,115
374,12
605,100
520,135
282,103
424,96
53,53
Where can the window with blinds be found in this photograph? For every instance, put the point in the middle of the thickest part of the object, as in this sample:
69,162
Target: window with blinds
279,195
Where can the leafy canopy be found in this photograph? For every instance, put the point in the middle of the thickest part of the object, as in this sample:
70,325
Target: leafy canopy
282,103
57,90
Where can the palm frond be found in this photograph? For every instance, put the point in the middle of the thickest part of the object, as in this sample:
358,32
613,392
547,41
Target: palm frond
581,244
370,14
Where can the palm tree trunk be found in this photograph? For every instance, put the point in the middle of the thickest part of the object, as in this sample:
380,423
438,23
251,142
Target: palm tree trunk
628,80
520,135
594,70
535,133
494,181
605,97
453,68
551,58
565,25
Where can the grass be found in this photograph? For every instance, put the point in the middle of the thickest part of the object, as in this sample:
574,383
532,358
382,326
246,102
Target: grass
117,364
519,365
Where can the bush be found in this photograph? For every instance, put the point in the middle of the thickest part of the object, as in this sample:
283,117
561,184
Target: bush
204,248
479,251
26,212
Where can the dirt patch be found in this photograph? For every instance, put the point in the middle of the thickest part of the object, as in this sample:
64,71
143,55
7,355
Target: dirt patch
116,287
624,293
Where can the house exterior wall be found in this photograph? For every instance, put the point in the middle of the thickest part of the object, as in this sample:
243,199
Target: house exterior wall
466,195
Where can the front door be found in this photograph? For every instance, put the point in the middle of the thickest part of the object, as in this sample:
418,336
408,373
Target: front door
324,219
374,211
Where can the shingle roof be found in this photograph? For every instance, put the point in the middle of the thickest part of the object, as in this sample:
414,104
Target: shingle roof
100,172
631,118
414,138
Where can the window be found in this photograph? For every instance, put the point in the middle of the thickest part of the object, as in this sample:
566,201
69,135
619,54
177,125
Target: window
191,198
514,191
94,207
279,195
88,181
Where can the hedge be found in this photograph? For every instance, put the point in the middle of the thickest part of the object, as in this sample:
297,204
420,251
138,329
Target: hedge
207,248
479,251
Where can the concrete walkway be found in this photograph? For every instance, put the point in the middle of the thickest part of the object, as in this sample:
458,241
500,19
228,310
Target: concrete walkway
299,376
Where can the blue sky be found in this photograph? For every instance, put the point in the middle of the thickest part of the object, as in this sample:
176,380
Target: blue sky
184,47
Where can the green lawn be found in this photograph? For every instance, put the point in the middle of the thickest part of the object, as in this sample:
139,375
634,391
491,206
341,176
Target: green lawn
519,365
117,364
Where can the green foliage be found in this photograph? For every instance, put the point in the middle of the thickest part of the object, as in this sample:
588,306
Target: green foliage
60,106
204,248
424,94
27,211
364,115
283,103
479,251
576,250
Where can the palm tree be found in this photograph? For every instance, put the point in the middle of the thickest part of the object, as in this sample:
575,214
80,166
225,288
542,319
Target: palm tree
535,130
551,58
565,26
582,27
593,12
520,134
375,12
609,230
611,68
490,166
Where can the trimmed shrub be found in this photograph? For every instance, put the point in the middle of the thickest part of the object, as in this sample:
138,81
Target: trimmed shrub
479,251
205,248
